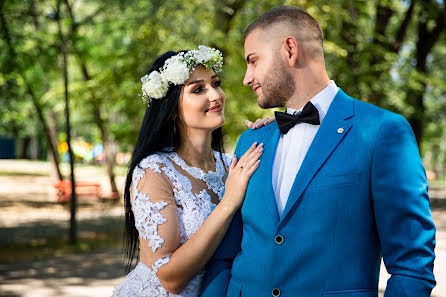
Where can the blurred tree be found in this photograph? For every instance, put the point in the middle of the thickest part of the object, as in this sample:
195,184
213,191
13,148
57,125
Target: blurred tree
21,69
387,52
431,26
387,44
94,101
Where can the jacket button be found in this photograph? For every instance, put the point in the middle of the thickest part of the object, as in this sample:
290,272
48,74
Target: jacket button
279,240
276,292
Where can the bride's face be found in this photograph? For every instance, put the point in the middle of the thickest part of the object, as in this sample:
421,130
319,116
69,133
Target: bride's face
202,100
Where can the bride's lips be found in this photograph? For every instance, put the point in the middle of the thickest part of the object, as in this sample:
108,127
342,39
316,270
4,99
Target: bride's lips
215,108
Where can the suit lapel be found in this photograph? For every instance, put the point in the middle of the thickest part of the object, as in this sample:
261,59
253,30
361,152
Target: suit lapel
270,142
331,132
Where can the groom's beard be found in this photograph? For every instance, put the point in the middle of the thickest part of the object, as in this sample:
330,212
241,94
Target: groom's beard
278,86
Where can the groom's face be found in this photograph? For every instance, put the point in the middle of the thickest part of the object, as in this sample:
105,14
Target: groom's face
265,72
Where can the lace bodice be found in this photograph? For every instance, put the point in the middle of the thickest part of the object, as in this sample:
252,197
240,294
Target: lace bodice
170,202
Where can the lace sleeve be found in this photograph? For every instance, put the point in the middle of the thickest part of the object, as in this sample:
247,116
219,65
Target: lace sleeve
155,211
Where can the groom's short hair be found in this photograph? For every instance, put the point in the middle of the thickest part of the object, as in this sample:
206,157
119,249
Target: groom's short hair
299,20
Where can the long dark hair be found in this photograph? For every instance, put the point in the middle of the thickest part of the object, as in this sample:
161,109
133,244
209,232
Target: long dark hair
157,133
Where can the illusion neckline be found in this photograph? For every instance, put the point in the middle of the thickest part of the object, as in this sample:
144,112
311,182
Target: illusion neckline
196,171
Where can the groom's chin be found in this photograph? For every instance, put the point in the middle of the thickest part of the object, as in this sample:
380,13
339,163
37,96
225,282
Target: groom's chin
263,104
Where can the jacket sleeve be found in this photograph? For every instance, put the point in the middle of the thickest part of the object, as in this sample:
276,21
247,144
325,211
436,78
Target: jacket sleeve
402,211
218,269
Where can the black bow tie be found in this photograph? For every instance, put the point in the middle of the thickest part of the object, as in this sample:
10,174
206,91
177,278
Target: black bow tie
287,121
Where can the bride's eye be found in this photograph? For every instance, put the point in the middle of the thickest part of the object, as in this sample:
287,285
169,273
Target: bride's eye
217,83
197,90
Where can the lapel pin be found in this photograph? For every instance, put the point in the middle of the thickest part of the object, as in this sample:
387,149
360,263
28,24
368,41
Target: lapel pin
341,130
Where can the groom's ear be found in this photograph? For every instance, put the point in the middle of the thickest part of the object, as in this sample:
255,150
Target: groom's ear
291,50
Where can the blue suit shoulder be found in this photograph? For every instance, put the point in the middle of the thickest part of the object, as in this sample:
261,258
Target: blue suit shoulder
248,137
370,114
258,134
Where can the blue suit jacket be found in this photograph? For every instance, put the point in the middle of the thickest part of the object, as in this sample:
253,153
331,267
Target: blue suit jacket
360,194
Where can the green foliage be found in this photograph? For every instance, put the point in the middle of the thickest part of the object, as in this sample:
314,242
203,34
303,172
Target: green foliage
118,40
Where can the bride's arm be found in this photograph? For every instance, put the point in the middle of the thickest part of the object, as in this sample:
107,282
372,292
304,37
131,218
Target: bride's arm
188,259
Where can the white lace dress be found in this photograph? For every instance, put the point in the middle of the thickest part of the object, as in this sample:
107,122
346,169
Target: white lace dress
170,201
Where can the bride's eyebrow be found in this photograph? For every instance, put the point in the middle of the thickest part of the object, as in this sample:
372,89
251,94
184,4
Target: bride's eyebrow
200,80
195,82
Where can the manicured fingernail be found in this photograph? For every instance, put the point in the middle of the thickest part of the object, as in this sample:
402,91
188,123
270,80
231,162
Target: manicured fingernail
255,143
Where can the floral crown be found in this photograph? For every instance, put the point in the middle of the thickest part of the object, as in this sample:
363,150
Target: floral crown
176,71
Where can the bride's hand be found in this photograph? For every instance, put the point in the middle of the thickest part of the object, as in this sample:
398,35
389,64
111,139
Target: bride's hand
259,123
239,174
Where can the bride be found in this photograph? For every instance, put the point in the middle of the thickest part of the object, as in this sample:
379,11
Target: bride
181,190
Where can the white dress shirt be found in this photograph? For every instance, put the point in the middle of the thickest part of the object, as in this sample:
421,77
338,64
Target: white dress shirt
293,146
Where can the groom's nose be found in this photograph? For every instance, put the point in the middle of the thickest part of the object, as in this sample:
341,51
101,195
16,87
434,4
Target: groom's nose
247,81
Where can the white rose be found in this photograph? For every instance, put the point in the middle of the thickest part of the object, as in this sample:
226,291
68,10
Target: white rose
155,86
176,71
203,54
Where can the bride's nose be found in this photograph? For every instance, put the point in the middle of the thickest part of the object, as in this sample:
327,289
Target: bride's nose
214,95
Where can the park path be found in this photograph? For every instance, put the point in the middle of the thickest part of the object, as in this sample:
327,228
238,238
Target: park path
96,273
28,212
76,275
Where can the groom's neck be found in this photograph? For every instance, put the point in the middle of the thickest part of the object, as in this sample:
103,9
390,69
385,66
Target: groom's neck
308,84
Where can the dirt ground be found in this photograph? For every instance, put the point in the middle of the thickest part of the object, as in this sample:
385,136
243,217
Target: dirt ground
28,211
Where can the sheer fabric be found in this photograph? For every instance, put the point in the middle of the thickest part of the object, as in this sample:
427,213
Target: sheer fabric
170,201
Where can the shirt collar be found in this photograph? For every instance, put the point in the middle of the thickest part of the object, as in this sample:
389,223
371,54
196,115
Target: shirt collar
321,101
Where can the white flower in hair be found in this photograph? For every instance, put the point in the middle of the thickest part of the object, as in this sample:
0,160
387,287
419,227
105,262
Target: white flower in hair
175,71
154,85
203,54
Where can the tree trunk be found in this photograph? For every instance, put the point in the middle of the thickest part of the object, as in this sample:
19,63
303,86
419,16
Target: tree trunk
380,46
426,41
63,50
108,154
100,123
50,137
26,143
349,36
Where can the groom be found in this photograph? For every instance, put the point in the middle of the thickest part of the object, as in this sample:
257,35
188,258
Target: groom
340,184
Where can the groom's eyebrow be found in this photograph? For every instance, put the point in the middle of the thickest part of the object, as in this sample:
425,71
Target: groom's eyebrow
248,58
201,80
